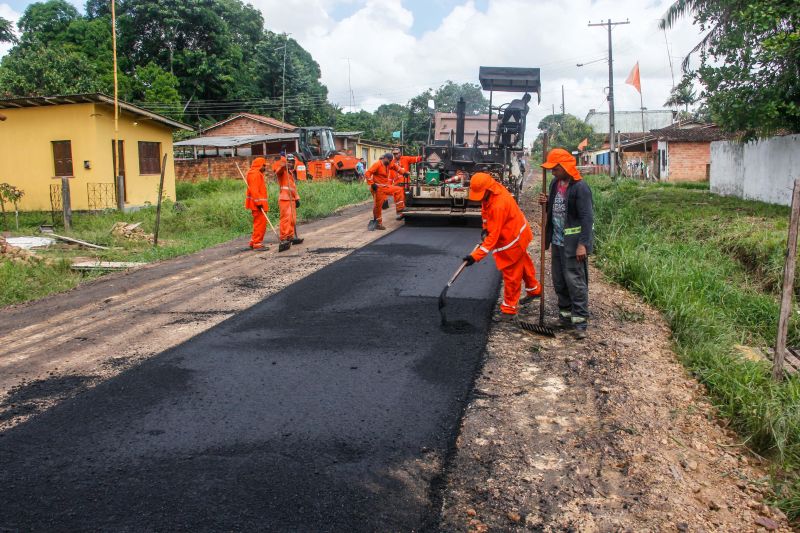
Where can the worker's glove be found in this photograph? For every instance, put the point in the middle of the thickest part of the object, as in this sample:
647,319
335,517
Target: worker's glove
297,203
406,174
374,187
484,234
469,260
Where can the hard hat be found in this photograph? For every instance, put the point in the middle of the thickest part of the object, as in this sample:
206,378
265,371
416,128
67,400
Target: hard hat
289,157
387,155
478,184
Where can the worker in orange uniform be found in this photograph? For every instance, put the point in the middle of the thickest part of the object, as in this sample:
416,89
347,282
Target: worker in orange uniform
506,235
288,201
403,163
380,182
257,202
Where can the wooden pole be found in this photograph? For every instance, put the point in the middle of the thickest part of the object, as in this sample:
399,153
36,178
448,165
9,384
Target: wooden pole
66,203
788,285
160,195
543,228
117,178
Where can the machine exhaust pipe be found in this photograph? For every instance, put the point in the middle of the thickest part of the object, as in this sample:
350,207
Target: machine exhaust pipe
461,113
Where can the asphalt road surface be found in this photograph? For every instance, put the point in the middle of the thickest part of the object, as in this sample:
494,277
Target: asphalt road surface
329,406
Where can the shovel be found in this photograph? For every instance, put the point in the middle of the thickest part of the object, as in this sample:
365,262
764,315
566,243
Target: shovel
372,224
443,295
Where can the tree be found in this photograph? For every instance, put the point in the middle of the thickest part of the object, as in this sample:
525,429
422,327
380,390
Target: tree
447,96
7,31
9,193
38,70
46,21
749,62
566,131
682,95
153,85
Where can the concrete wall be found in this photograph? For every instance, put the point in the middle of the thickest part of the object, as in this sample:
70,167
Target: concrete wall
26,152
762,170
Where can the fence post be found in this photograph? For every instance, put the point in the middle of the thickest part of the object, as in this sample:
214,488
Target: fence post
788,285
160,195
66,203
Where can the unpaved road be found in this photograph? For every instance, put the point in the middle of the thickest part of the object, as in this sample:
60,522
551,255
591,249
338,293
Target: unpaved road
328,406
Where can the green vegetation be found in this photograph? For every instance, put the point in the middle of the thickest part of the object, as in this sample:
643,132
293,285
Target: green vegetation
206,214
713,266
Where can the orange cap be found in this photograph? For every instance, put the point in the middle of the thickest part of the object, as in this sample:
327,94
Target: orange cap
559,156
478,184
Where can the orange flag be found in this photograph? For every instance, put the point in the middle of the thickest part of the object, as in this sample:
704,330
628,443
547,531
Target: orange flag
584,143
633,78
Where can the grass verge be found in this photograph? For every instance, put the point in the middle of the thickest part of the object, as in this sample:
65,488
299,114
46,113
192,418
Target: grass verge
206,214
713,266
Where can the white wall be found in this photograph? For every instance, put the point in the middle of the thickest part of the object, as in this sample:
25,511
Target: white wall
760,170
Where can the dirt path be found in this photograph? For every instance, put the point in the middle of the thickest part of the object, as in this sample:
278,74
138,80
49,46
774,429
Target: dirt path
606,434
60,346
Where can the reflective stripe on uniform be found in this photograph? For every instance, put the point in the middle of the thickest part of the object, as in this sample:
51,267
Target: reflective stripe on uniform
572,231
509,306
484,249
512,243
257,199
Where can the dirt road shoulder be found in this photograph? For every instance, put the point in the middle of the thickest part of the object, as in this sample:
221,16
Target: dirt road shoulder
606,434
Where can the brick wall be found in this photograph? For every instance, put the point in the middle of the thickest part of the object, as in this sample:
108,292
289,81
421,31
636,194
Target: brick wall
214,168
243,126
688,161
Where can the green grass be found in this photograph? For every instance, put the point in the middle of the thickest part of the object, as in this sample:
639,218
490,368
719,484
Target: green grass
212,212
713,266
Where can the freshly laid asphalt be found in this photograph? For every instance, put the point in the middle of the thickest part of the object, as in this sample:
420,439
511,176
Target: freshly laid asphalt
329,406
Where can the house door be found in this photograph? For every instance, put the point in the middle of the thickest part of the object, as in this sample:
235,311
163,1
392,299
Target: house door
120,155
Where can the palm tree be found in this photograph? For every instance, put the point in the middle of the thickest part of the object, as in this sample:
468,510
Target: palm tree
683,8
684,94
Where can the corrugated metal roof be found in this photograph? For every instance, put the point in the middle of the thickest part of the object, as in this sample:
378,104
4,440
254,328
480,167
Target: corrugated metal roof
693,132
630,121
347,133
88,98
231,141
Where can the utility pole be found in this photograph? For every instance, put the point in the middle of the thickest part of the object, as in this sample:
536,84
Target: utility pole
283,90
563,109
612,141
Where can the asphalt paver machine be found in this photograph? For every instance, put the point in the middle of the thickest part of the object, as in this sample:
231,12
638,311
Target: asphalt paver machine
441,182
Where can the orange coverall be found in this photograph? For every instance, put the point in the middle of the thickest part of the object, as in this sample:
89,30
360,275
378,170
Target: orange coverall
380,175
508,237
256,200
403,163
286,198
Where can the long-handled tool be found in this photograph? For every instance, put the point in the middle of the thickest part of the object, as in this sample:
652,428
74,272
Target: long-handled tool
443,295
261,208
540,328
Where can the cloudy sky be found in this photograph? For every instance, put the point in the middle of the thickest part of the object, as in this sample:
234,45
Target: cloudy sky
398,48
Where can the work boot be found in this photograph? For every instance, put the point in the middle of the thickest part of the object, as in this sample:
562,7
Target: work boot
259,248
580,333
400,216
581,325
529,299
380,227
297,240
506,318
284,245
564,320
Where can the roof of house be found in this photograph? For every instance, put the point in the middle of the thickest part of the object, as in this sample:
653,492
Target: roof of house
232,141
89,98
629,121
692,132
258,118
347,133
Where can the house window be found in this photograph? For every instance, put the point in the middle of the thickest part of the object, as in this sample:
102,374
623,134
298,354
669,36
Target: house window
149,158
62,158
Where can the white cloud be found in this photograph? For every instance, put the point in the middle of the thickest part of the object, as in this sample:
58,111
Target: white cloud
8,13
389,64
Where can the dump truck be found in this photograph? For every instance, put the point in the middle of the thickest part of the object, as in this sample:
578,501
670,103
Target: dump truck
441,182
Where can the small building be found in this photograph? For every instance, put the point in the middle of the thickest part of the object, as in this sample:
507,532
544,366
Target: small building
684,150
351,143
445,126
44,139
247,124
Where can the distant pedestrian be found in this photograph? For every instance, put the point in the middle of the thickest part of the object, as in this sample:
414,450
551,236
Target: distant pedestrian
256,201
361,167
570,228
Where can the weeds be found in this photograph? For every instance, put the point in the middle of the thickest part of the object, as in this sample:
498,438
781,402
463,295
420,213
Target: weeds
713,266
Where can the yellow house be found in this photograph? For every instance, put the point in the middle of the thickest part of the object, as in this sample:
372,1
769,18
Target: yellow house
44,139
